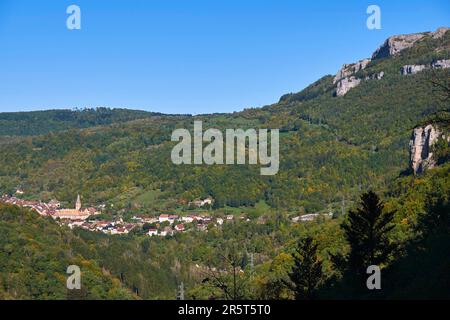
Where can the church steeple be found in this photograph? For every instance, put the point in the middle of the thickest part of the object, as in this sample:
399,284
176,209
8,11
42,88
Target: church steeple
78,203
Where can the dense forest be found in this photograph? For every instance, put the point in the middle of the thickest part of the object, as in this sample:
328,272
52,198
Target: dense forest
42,122
35,254
343,155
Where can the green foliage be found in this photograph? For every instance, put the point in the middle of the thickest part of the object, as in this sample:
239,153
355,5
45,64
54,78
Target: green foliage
34,255
332,149
306,275
42,122
367,231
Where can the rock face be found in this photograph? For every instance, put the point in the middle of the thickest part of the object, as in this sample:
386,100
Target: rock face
441,64
375,76
415,68
440,32
412,69
419,147
394,45
345,78
346,84
349,69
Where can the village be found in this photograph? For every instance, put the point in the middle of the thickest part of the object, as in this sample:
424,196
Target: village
162,225
166,224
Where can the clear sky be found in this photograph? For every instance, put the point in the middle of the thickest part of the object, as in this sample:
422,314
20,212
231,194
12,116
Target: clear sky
187,56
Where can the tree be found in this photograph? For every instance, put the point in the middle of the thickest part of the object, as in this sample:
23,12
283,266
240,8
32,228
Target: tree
367,230
230,279
422,272
441,86
306,275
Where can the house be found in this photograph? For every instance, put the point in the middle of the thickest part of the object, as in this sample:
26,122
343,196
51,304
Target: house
172,218
207,201
75,223
121,230
152,232
202,226
54,203
163,217
162,233
179,227
187,219
206,219
200,203
306,217
230,217
219,221
167,217
87,226
100,225
167,231
144,219
138,218
91,211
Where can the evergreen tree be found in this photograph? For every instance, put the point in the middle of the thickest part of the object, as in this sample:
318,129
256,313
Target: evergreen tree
306,275
367,231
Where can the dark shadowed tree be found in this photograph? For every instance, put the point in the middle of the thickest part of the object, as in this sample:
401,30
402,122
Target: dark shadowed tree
423,272
367,230
306,275
228,277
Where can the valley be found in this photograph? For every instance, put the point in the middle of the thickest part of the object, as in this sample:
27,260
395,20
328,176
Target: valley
373,133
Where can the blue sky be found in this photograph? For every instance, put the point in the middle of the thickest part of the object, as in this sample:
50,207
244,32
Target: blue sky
196,56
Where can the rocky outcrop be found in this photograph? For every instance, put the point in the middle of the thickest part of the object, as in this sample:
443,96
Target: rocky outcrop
345,79
346,84
441,64
415,68
375,76
396,44
349,69
412,69
420,145
440,33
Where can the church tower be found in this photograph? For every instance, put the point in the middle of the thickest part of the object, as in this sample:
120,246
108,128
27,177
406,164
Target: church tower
78,203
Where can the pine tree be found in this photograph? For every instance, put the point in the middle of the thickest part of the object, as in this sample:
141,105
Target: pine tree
306,275
367,231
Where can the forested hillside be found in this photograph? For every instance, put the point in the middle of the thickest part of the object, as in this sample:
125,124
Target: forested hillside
331,147
35,253
340,154
42,122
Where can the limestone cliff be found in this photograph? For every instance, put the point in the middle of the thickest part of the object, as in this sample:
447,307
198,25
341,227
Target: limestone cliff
346,84
420,145
349,69
416,68
347,79
394,45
